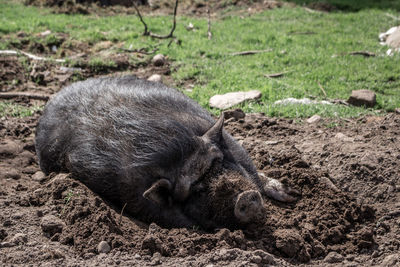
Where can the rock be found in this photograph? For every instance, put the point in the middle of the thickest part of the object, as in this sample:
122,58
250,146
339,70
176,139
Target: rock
19,238
362,98
39,176
230,99
45,33
158,60
51,225
391,260
103,247
155,78
333,257
314,119
393,39
397,110
236,114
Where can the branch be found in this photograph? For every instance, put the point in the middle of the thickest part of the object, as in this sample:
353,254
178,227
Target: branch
20,94
322,88
20,52
251,52
154,35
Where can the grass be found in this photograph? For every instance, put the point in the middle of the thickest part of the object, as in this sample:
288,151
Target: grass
16,110
319,57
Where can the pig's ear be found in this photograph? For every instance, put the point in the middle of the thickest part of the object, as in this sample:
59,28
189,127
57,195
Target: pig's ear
214,134
159,192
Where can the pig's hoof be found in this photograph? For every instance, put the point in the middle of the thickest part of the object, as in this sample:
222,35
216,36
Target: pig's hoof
278,191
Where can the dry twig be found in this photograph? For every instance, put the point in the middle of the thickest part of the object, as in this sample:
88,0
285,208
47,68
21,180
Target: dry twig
24,94
322,88
154,35
250,52
276,75
140,51
19,52
120,215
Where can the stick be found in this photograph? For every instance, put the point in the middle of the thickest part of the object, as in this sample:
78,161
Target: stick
122,211
139,51
19,52
322,88
276,75
154,35
250,52
21,94
209,33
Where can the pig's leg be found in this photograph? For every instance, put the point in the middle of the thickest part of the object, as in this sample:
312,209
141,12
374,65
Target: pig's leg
278,191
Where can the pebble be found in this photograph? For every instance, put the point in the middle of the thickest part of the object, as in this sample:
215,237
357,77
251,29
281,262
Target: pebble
39,176
103,247
51,225
362,98
314,119
158,60
231,99
333,257
155,78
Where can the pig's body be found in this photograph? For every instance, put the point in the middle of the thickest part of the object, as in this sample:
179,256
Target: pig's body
136,142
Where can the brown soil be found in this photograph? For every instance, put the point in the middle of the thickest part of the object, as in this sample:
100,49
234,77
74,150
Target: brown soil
349,203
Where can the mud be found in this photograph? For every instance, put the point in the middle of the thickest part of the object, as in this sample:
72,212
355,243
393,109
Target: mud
347,177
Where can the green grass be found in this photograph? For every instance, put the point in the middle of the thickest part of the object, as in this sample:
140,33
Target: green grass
16,110
309,58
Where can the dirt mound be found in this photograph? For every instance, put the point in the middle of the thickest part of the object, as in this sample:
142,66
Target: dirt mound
324,219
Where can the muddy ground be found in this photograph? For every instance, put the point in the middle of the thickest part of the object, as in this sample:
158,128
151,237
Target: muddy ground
348,173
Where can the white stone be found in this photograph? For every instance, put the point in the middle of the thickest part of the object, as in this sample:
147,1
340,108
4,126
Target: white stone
314,119
158,60
155,78
231,99
103,247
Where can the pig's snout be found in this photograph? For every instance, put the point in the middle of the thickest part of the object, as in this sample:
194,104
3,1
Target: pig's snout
249,206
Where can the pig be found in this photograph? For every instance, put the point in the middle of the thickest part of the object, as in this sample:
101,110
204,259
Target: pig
140,144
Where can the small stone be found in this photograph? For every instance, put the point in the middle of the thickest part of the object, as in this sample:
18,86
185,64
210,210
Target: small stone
397,110
137,257
69,69
333,257
362,98
103,247
51,225
231,99
314,119
158,60
39,176
45,33
391,260
155,78
266,257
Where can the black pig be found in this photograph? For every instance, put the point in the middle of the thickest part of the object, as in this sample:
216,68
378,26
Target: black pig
137,142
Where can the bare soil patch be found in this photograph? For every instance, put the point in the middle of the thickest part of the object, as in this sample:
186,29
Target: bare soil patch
347,176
